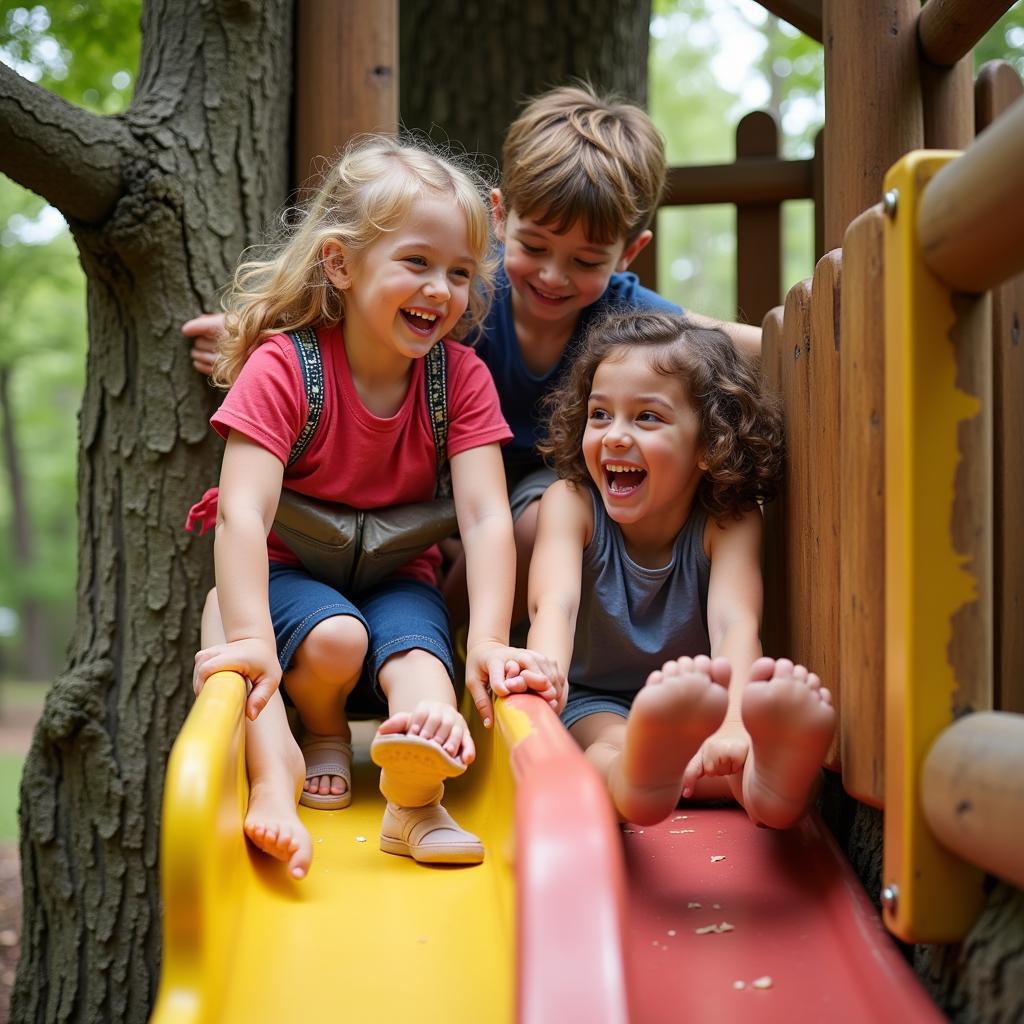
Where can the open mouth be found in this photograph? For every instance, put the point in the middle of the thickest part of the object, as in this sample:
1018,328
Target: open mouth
420,321
623,479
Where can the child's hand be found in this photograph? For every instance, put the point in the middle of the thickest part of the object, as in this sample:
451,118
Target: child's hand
529,671
437,721
205,331
723,753
253,658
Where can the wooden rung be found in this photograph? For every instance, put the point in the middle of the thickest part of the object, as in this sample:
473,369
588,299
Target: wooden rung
972,789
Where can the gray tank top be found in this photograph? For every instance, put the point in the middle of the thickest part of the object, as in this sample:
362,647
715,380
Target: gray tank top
631,619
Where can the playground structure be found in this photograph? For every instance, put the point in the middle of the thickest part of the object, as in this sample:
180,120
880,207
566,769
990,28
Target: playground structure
892,567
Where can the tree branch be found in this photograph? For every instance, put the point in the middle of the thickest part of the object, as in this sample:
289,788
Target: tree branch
70,157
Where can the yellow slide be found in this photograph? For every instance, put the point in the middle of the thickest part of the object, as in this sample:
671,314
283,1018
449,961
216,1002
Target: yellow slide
372,937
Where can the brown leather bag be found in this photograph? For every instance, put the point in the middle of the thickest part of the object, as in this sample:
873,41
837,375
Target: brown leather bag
352,549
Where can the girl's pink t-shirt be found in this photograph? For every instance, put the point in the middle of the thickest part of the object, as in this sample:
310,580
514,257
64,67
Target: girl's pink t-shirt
355,457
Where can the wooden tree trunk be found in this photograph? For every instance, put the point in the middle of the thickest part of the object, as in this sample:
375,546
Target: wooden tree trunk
160,201
465,71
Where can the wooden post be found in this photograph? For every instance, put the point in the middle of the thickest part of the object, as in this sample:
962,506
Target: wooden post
823,483
949,29
972,789
758,227
872,102
999,86
347,79
775,627
862,516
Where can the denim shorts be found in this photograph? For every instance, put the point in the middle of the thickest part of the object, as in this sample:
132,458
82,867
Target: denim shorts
584,702
398,615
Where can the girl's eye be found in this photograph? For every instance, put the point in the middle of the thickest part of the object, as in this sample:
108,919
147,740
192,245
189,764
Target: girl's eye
598,414
587,266
461,272
419,261
533,250
649,417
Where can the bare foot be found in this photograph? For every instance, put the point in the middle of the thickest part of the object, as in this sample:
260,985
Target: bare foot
272,824
790,720
679,707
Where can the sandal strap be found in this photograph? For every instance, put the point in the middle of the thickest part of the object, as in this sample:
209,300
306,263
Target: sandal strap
336,766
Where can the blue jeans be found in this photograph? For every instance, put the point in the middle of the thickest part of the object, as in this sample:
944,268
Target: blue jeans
398,615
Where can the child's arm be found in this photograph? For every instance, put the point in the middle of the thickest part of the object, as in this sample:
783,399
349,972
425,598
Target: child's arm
746,337
250,487
485,525
564,528
735,599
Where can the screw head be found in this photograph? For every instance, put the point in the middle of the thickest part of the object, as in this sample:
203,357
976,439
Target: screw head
890,201
890,895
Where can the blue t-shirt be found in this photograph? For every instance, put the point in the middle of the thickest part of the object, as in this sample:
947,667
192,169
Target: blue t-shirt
520,391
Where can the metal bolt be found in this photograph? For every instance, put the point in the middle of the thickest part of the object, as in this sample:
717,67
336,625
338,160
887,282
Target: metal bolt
890,896
890,201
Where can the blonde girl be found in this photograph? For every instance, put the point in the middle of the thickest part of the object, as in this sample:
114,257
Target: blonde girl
389,259
645,584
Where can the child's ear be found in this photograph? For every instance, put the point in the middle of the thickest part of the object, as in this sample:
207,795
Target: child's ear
702,462
632,250
498,214
336,265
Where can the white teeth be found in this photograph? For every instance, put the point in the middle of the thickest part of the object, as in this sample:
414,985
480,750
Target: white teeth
613,467
429,317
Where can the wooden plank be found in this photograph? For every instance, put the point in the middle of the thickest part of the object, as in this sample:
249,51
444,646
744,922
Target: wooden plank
872,102
799,567
862,517
823,370
998,87
758,227
775,623
348,76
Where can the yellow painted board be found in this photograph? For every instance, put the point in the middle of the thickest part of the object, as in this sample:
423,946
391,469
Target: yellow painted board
931,584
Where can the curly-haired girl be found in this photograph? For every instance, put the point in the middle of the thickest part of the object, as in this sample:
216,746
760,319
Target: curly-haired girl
646,579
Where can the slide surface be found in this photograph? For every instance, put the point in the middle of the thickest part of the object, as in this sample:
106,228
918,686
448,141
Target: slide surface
704,917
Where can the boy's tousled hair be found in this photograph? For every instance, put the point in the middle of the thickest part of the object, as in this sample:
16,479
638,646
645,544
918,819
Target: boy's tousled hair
364,194
740,428
575,156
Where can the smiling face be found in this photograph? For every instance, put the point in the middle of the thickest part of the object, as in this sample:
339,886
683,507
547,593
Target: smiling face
406,290
556,275
641,447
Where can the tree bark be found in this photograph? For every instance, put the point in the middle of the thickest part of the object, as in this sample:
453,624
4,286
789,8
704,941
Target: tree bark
467,82
160,200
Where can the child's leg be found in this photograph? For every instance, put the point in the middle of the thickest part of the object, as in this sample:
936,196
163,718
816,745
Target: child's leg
642,759
324,670
790,720
275,769
424,741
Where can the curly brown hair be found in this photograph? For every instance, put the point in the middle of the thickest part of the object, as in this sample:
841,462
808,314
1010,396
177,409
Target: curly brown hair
740,428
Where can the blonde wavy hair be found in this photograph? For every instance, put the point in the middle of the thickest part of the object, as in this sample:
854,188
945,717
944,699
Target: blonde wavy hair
367,192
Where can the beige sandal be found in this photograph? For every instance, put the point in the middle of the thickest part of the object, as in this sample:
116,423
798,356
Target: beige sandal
327,755
429,835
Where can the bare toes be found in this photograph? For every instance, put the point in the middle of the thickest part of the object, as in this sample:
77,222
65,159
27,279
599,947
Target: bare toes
763,669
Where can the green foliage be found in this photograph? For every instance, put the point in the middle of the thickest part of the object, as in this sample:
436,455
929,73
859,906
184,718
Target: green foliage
88,53
10,780
1005,40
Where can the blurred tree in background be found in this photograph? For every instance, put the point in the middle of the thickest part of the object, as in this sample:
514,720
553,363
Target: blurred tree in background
88,54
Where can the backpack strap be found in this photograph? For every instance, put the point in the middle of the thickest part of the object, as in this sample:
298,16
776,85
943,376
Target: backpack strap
435,379
308,351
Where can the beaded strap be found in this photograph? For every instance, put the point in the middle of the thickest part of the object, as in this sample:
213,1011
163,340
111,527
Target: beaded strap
435,379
